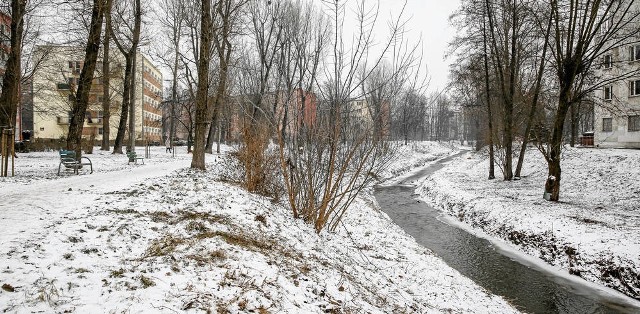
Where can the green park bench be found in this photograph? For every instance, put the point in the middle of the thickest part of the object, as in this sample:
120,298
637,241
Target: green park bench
133,158
69,161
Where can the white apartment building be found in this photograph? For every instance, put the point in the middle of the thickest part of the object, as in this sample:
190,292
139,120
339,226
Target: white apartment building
617,114
56,80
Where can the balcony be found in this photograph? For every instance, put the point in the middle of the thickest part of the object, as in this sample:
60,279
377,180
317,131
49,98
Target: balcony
94,120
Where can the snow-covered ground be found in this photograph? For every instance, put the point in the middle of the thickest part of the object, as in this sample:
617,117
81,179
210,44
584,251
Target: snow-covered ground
162,238
593,232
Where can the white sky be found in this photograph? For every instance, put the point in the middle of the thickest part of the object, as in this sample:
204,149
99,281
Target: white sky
429,19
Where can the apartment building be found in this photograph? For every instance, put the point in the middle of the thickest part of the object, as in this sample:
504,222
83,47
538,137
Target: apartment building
56,80
290,111
617,114
368,117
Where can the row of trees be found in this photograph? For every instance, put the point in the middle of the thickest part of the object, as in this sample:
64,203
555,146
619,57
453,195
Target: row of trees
525,68
289,71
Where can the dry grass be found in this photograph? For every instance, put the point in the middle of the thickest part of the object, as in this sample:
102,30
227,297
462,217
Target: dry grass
163,246
146,282
209,258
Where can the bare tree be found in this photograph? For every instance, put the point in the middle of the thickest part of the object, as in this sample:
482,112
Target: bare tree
172,17
336,163
202,96
121,39
76,124
11,79
106,78
534,101
226,22
582,32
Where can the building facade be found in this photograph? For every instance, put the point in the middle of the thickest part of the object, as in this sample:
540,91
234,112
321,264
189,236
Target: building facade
617,113
53,91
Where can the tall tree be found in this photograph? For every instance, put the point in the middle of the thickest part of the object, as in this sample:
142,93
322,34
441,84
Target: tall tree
172,18
534,102
11,80
106,78
129,53
505,44
583,31
226,21
81,101
487,91
202,96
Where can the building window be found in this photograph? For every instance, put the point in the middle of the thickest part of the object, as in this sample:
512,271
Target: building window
634,53
607,124
634,88
608,61
608,92
634,124
100,131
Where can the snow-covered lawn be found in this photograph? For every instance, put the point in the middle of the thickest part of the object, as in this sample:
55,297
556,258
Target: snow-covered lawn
162,238
593,232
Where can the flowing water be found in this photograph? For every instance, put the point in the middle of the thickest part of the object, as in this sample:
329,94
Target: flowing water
528,286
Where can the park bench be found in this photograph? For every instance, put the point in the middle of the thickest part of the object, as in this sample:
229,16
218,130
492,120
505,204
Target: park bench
68,160
133,158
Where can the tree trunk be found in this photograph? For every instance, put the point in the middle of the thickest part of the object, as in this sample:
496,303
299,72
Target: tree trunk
534,102
488,99
508,106
552,185
574,124
124,109
210,136
219,137
174,90
106,80
202,108
11,80
128,83
81,102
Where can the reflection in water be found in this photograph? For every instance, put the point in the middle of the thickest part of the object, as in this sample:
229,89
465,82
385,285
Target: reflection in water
529,289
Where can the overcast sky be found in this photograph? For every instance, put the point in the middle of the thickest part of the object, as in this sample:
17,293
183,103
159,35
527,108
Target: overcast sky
429,19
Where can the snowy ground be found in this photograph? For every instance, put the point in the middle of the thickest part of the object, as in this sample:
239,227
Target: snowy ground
593,232
160,237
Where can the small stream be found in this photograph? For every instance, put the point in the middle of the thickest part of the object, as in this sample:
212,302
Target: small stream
531,288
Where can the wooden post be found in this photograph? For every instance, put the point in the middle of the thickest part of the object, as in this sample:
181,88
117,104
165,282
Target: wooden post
2,154
7,150
11,142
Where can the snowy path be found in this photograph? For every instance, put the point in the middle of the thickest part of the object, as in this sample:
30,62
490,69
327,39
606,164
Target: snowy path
31,208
